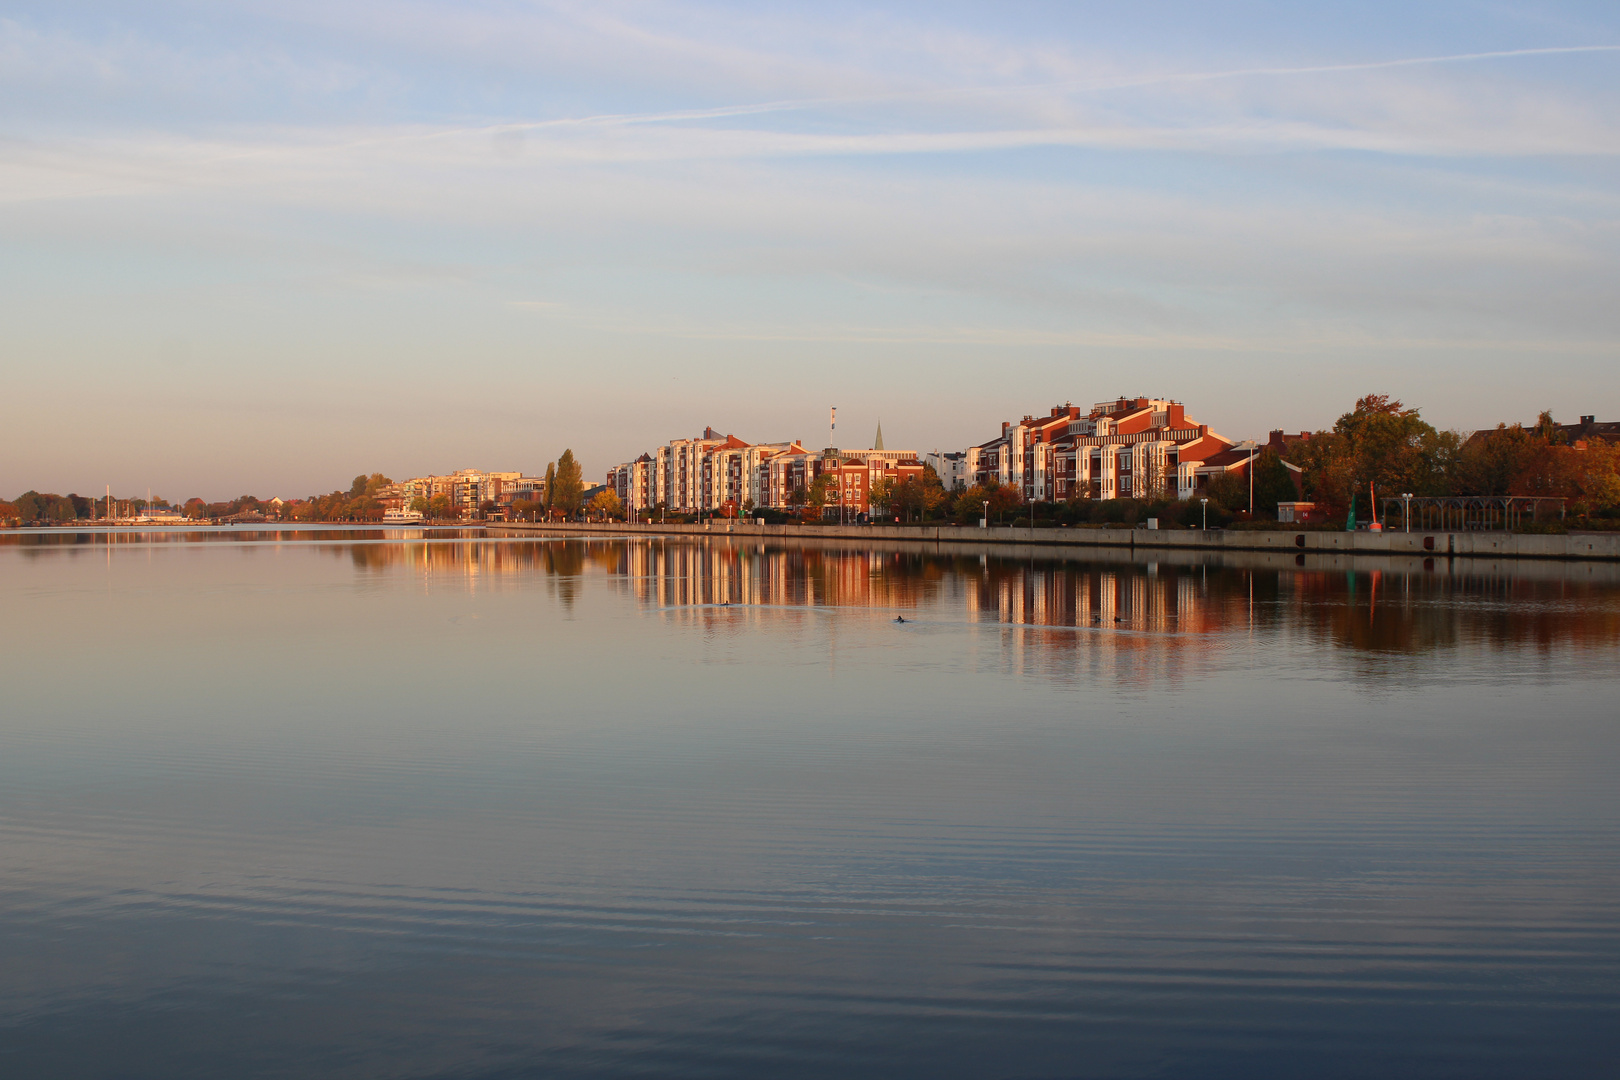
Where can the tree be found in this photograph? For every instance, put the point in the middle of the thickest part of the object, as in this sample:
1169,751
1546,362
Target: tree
881,496
1000,498
817,496
365,508
1273,483
606,504
549,491
918,495
419,505
368,485
1383,443
570,485
30,506
439,507
932,494
8,512
1229,491
970,504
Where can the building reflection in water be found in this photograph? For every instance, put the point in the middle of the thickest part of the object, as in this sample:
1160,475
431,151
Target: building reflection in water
1374,606
1169,609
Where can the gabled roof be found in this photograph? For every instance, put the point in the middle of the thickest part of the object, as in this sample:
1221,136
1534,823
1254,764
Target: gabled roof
1226,459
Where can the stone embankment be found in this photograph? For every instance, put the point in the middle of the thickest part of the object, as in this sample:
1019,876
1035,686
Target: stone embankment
1466,545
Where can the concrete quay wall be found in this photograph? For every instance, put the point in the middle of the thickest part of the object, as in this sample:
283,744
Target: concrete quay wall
1466,545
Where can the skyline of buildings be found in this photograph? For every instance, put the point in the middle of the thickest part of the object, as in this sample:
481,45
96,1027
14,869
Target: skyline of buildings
1128,447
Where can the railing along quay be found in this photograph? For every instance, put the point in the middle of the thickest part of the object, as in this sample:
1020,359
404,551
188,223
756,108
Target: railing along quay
1482,544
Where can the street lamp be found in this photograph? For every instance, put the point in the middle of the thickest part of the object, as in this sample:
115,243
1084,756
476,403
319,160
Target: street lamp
1206,513
1406,507
1253,450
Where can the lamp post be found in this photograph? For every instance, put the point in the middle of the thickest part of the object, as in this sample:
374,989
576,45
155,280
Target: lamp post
1253,451
1406,508
1206,513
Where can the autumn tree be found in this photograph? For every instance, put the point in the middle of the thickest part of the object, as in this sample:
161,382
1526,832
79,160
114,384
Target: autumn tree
1002,498
970,504
818,496
1383,443
607,504
881,495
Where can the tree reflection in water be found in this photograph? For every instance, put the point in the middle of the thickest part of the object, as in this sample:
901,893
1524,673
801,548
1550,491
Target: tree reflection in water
1374,606
1370,606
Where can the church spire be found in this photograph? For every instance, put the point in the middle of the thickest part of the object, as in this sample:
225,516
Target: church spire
877,440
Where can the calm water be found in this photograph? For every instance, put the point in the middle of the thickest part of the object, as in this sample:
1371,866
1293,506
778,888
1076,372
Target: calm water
327,804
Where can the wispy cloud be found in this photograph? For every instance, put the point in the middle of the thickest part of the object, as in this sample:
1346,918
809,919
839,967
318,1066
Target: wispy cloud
661,184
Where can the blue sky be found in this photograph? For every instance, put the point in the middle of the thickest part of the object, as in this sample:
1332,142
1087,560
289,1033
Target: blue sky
259,247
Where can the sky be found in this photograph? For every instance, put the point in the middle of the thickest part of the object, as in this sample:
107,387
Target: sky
260,247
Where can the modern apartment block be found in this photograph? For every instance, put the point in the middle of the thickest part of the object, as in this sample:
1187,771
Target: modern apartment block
717,472
467,489
1126,448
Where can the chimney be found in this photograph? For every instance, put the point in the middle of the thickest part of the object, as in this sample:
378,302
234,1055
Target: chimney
1588,421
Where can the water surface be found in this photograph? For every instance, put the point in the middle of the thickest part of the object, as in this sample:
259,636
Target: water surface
392,803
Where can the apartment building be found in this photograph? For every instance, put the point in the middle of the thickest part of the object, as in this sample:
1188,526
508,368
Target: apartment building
719,473
951,468
467,489
1120,449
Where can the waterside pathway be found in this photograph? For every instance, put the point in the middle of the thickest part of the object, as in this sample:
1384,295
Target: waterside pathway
965,538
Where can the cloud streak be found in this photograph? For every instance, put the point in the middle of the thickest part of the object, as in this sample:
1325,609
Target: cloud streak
304,199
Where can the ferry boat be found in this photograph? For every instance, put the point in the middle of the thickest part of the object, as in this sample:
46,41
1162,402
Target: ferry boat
402,516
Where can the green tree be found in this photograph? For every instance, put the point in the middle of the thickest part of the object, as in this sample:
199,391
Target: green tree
1229,491
30,506
1273,484
548,493
570,485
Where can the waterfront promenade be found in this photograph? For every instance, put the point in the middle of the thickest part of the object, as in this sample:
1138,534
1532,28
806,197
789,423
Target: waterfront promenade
1465,545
